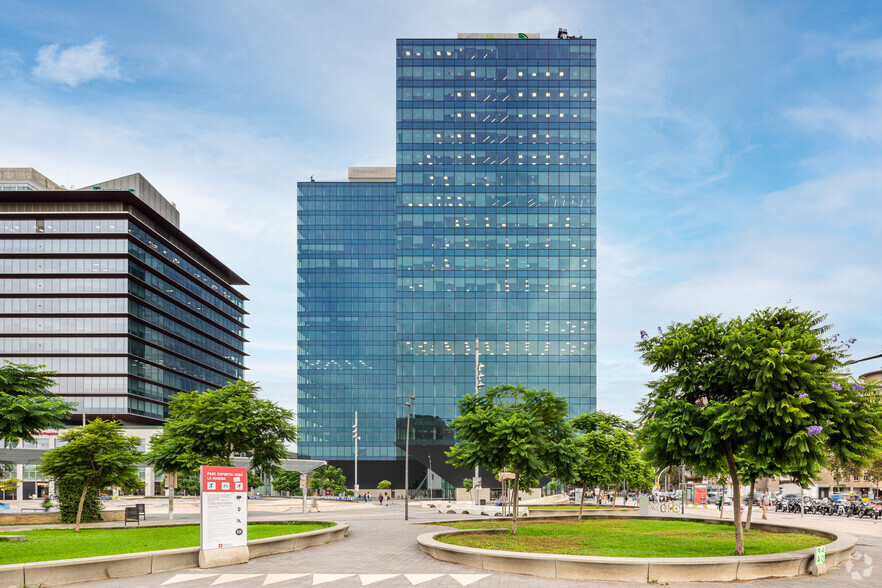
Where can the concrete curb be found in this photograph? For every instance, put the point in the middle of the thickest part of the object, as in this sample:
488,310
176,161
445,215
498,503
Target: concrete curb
636,569
71,571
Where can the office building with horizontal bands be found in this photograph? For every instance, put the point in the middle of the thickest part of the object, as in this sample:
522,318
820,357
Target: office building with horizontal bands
492,212
101,286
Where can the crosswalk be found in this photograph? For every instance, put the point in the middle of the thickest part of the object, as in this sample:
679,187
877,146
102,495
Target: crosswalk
317,579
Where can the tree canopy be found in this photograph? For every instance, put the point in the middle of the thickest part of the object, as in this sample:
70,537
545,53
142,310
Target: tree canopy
328,477
209,428
95,456
27,405
284,481
766,389
511,427
609,454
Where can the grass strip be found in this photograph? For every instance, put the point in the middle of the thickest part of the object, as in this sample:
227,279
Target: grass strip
51,544
574,507
629,538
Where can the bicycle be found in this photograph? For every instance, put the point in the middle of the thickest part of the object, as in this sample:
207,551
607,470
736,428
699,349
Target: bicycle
661,507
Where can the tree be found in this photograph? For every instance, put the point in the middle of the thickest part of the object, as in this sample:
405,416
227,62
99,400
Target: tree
209,428
27,406
254,480
751,471
384,485
607,448
468,484
189,483
511,427
841,470
328,477
764,389
95,457
874,474
9,484
284,481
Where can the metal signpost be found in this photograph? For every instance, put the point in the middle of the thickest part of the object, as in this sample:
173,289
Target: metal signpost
223,516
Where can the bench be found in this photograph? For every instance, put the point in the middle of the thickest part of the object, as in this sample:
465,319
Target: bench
131,515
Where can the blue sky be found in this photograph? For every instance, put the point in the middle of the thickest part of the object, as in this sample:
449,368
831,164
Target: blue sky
739,143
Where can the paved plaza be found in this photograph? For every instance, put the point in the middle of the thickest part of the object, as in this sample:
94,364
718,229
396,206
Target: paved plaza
381,551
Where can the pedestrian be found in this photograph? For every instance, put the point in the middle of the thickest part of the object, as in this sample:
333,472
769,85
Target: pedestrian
720,504
765,503
47,504
381,499
387,499
367,497
313,503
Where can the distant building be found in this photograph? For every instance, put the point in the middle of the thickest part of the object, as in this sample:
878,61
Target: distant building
489,222
101,286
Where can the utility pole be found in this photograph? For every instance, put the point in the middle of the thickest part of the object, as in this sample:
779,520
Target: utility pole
356,438
478,385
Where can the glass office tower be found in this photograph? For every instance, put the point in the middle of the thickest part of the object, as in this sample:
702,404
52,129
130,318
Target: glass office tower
346,328
495,226
101,286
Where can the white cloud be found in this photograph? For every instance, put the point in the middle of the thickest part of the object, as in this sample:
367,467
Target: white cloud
77,64
862,124
870,51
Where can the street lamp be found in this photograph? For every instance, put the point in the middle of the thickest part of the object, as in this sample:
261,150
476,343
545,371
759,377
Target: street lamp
356,438
852,361
409,406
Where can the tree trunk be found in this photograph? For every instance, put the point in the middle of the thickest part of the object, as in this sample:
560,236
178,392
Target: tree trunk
80,506
514,514
750,505
736,496
582,499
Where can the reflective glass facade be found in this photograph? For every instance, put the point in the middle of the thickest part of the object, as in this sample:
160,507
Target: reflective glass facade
345,295
117,304
495,229
495,211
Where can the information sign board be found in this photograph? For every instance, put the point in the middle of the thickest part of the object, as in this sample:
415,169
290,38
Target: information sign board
304,481
820,554
476,481
701,495
224,507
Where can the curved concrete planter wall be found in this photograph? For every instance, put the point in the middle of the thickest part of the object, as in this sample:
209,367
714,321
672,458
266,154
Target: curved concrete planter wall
638,569
70,571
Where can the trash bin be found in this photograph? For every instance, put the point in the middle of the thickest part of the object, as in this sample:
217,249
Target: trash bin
483,502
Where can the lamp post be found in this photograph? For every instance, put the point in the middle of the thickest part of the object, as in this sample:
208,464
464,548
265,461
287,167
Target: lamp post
478,385
409,406
356,438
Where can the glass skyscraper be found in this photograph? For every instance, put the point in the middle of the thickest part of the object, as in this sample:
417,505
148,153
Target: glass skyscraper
495,228
346,305
102,286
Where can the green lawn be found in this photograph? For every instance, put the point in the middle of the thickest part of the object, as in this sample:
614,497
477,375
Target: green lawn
48,544
572,507
629,538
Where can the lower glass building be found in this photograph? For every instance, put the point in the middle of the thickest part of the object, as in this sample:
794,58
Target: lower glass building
101,286
346,325
494,218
